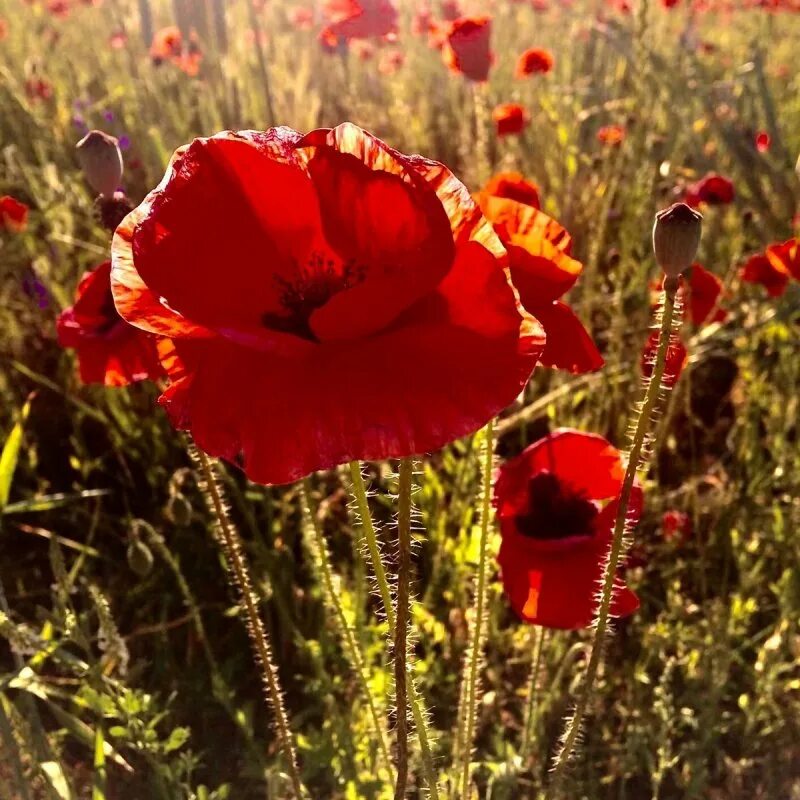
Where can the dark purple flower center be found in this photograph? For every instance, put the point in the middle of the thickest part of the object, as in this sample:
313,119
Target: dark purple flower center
555,510
312,287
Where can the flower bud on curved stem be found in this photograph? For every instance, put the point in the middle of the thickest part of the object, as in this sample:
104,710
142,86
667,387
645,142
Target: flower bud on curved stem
676,237
101,161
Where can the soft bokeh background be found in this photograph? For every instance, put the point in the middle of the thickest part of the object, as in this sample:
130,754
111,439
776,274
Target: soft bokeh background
700,692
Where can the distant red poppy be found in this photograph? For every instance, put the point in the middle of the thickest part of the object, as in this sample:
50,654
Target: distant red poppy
676,526
532,61
704,289
670,3
301,18
542,270
421,21
514,186
110,351
771,274
375,322
3,29
677,356
38,89
360,19
763,141
118,40
557,504
13,214
509,118
611,135
786,255
713,189
58,8
167,44
467,47
391,61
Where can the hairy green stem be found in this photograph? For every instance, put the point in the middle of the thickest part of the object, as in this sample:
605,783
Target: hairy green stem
538,635
401,623
470,684
259,639
642,425
352,649
414,700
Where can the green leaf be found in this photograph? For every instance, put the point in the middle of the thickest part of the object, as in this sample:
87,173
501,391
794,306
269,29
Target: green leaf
10,455
99,781
177,739
58,780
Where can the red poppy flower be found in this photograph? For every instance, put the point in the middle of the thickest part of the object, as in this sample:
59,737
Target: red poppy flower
786,255
704,289
514,186
713,189
611,135
557,504
509,118
677,356
391,61
167,44
58,8
3,29
770,273
534,60
330,298
110,351
421,21
676,526
13,215
669,3
763,141
360,19
451,9
467,47
38,89
542,270
118,40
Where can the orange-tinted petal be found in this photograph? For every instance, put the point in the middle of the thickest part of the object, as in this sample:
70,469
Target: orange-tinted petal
569,345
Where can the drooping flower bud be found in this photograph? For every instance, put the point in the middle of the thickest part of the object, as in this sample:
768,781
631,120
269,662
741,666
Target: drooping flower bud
676,237
101,161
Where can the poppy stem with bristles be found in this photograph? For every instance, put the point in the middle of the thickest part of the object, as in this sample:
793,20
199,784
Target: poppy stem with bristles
474,655
640,430
401,622
359,491
239,577
538,635
315,541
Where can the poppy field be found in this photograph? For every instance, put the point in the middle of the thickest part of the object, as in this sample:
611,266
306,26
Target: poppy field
399,399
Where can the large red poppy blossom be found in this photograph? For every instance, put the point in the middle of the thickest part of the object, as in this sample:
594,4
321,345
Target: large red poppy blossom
514,186
509,118
110,351
359,19
769,273
542,270
534,61
713,189
786,255
677,356
330,298
13,214
467,47
557,504
704,289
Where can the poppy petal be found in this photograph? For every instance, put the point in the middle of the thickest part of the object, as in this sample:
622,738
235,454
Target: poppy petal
569,345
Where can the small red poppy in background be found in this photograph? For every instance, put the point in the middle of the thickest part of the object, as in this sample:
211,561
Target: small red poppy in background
421,21
167,44
763,141
677,356
451,9
542,270
704,289
391,61
514,186
3,29
301,18
786,255
360,19
13,214
759,269
110,351
509,118
611,135
377,320
676,526
713,189
118,40
534,61
670,3
38,89
557,504
467,47
58,8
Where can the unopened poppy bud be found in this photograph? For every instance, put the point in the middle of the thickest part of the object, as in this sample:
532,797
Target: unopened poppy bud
140,559
676,237
101,161
179,510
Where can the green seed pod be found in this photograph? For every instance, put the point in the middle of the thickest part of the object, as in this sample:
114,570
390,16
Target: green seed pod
140,559
179,510
676,237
